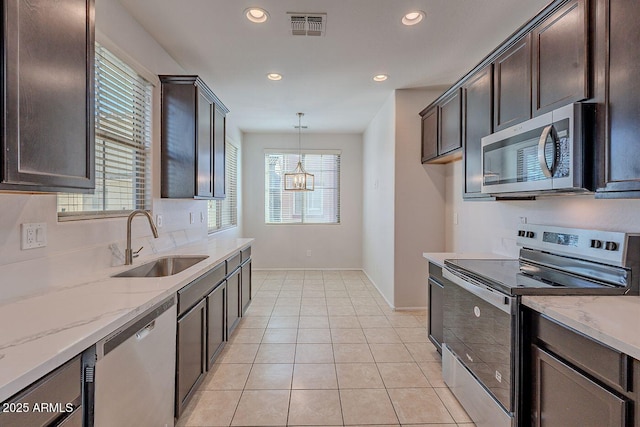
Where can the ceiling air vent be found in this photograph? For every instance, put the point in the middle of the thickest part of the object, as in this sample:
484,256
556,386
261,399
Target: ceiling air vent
307,24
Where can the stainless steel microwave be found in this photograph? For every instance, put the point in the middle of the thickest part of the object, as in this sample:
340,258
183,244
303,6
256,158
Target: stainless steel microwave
549,153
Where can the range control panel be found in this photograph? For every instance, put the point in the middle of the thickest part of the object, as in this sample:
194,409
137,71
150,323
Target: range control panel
610,247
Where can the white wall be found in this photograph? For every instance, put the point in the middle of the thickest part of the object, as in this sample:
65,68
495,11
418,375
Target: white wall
77,248
285,246
419,201
378,159
491,226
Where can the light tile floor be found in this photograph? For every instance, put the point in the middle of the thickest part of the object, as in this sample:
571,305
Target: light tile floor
323,348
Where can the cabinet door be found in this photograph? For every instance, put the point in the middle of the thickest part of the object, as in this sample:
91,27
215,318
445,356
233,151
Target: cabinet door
430,135
478,124
204,165
436,295
562,396
246,285
512,85
191,357
450,123
233,301
219,153
560,58
216,329
48,141
621,174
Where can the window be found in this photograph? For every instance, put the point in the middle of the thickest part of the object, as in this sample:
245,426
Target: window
224,213
123,141
321,206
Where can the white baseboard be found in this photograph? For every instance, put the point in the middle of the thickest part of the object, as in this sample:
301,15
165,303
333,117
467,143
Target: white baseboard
378,289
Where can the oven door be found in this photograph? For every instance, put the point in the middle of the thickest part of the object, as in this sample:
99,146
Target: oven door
479,332
536,155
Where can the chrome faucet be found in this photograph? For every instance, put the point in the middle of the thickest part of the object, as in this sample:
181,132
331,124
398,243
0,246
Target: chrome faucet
129,255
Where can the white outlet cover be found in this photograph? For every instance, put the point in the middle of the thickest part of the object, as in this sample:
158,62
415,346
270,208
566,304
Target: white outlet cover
33,235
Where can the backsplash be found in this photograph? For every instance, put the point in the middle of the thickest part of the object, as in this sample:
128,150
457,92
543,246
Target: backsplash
490,226
77,249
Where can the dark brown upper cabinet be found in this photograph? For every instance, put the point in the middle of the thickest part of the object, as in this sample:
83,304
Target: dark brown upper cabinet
512,85
219,159
193,138
619,154
430,134
48,96
442,129
478,104
561,58
450,123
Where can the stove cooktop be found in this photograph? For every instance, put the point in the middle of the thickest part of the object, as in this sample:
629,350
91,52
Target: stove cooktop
505,276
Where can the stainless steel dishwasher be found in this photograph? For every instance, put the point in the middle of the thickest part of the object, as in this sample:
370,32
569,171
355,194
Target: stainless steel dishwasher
135,371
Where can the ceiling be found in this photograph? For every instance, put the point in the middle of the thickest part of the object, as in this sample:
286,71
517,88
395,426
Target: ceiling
329,78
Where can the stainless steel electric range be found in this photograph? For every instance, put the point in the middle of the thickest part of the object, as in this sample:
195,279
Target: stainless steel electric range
482,331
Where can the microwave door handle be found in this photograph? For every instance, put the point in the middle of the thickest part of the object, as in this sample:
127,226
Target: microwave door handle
542,143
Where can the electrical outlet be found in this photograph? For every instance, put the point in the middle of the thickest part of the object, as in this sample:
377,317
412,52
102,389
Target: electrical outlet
201,217
523,220
159,221
308,252
192,218
34,235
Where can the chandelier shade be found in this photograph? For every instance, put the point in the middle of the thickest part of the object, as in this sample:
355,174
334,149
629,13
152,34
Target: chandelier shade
299,179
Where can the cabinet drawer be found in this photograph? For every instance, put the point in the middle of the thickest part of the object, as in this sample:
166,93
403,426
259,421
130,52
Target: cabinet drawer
245,254
592,357
233,262
61,387
198,289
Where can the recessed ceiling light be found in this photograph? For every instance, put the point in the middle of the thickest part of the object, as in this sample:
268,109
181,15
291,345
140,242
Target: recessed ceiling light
380,77
412,18
274,76
256,14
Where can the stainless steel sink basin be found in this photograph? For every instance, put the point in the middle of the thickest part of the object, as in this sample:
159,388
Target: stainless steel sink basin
165,266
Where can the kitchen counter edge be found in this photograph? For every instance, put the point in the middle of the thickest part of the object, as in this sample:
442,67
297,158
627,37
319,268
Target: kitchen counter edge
611,320
29,355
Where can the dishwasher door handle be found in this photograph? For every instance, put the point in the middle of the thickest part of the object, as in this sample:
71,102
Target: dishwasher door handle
146,330
139,328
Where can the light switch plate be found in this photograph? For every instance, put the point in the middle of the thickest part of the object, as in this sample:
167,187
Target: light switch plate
34,235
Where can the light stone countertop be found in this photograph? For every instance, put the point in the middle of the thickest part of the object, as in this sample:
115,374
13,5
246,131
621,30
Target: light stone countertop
439,257
43,331
612,320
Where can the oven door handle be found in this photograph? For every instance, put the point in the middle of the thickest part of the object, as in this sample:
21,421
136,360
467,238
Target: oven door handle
498,300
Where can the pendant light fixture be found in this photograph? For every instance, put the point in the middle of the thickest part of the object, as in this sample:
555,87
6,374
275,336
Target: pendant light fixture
299,179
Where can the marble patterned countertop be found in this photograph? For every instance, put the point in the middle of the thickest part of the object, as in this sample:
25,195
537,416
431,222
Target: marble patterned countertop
43,331
612,320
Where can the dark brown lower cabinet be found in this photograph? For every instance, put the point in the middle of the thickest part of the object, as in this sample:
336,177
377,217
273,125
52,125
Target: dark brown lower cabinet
569,379
436,332
234,310
191,354
436,304
564,396
216,322
246,285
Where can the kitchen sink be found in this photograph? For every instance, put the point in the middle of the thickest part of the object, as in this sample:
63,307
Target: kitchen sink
165,266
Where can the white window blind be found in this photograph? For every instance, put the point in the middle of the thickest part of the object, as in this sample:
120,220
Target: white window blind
321,206
224,213
123,140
